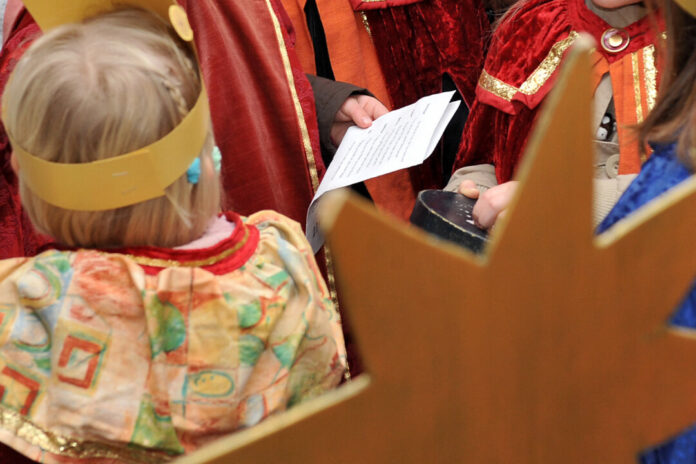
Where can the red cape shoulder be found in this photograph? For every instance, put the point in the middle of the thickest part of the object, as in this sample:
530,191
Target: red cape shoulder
526,51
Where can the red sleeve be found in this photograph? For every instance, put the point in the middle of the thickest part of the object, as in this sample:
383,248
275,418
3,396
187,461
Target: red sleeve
492,136
515,80
524,57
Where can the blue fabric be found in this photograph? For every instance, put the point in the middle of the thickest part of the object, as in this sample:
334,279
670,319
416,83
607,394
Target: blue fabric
659,174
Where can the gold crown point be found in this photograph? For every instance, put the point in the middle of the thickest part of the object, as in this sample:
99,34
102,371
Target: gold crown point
180,22
551,347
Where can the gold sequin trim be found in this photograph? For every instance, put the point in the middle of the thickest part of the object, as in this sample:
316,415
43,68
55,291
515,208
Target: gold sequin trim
24,429
155,262
650,76
309,153
538,78
497,87
365,22
636,87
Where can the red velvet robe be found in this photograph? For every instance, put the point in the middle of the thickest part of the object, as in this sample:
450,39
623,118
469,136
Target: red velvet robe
262,109
261,103
417,42
521,66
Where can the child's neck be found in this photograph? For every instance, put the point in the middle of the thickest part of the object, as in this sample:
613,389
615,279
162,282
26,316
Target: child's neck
618,17
219,228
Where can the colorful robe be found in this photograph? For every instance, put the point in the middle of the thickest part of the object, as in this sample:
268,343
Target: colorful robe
146,353
522,65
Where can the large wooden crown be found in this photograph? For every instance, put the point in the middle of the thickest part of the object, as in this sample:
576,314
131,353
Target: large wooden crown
551,347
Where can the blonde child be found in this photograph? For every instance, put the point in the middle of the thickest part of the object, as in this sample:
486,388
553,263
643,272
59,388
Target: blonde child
157,324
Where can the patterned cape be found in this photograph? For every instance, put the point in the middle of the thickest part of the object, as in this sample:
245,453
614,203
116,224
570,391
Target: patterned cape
144,354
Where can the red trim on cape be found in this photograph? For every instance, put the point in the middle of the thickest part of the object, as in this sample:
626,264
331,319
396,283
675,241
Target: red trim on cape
244,236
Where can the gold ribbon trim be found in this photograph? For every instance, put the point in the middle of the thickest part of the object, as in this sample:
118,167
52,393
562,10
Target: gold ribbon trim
536,80
309,153
24,429
650,75
636,87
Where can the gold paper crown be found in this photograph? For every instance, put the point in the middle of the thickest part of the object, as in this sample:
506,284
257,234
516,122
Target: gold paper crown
688,5
132,177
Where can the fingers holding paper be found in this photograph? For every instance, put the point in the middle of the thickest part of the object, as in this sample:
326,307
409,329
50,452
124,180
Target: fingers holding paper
358,110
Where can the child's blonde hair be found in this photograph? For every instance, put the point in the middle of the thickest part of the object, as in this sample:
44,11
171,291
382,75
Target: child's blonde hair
108,86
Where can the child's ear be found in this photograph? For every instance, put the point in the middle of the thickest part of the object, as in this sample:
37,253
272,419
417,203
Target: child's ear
13,163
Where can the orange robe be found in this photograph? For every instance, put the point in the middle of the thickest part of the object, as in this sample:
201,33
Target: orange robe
399,50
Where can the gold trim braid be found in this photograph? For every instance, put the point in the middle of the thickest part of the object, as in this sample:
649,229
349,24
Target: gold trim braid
497,87
365,22
309,153
22,428
538,78
650,75
636,87
311,163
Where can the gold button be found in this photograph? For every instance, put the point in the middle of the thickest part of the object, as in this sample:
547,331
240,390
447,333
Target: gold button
615,40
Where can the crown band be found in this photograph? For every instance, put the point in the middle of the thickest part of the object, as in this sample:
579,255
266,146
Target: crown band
123,180
126,179
51,13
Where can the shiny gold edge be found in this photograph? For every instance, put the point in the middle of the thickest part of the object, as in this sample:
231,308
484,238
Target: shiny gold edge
543,72
365,22
636,87
31,433
309,153
496,87
650,76
537,79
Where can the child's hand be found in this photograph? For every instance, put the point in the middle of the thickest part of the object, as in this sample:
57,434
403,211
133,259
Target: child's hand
468,188
492,204
358,110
